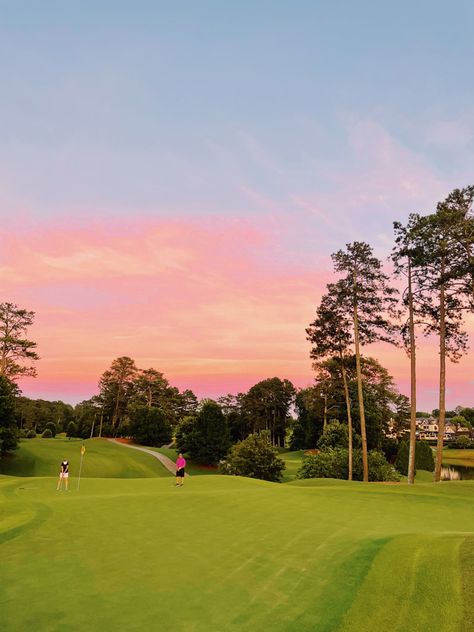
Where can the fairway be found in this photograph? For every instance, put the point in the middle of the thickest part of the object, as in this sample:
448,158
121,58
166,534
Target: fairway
227,553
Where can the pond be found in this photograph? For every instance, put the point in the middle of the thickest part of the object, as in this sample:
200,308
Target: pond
457,472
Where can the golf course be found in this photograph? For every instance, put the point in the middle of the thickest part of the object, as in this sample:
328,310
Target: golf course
129,551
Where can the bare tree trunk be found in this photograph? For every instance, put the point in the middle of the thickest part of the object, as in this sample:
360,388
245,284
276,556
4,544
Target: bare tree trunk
325,417
101,420
349,415
360,394
412,452
442,378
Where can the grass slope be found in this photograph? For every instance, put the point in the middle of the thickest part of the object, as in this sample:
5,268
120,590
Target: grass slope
225,553
42,457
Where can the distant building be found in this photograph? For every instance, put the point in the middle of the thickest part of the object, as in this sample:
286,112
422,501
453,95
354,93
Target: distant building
427,430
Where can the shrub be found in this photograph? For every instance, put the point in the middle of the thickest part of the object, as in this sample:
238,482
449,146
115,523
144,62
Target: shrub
149,426
52,426
47,434
71,429
462,443
403,455
333,463
254,457
423,457
31,434
336,435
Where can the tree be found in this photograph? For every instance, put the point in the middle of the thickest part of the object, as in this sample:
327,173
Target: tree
254,457
366,295
149,426
332,463
330,336
309,425
15,348
266,406
405,256
443,297
206,437
117,388
336,435
8,430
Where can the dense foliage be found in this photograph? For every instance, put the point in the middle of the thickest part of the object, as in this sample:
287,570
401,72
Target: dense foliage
149,426
333,463
424,459
254,457
8,429
205,437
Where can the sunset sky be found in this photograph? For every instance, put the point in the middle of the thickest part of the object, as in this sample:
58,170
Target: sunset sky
174,176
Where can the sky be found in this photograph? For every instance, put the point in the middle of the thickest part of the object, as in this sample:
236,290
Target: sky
175,176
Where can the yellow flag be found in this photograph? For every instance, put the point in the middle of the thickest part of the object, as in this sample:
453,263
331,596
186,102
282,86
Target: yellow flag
83,449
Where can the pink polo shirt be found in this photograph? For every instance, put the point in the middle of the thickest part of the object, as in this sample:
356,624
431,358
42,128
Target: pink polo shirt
180,463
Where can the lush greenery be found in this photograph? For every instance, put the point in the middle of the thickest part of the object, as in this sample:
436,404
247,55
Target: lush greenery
423,457
333,463
8,429
42,457
149,426
205,437
308,555
254,457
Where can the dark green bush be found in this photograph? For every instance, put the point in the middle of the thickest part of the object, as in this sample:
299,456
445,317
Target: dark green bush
71,429
149,426
423,457
52,427
333,463
47,434
31,434
254,457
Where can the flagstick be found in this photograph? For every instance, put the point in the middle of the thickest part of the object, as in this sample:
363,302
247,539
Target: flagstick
80,468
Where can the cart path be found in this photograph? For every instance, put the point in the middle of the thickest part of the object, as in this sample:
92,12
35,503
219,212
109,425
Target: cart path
168,463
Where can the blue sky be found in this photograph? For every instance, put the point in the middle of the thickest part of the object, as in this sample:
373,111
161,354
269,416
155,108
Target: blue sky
322,121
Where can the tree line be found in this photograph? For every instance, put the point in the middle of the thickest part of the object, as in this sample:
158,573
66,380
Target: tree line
433,260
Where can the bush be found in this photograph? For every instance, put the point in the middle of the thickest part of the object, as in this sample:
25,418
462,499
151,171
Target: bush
423,457
336,435
254,457
31,434
8,429
149,426
52,426
462,443
333,463
47,434
403,455
71,429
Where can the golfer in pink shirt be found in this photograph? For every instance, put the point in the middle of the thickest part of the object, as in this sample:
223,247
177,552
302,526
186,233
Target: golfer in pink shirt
180,465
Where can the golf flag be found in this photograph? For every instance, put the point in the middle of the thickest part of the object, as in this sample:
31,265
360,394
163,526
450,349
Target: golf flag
83,449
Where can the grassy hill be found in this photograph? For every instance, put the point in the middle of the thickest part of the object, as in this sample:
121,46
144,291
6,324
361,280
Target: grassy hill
225,553
42,457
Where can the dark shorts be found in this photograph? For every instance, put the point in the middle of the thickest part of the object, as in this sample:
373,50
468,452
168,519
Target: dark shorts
180,472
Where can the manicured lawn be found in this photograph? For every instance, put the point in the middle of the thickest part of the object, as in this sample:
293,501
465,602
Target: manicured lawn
226,553
293,462
458,457
192,468
42,457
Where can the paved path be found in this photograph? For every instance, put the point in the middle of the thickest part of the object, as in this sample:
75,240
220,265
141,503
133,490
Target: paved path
168,463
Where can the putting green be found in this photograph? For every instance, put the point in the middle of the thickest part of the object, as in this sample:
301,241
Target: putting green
225,553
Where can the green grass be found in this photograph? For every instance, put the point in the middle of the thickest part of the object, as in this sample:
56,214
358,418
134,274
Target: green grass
191,468
42,457
458,457
227,553
293,462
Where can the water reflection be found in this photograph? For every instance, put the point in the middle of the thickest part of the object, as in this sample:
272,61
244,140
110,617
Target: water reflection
457,472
